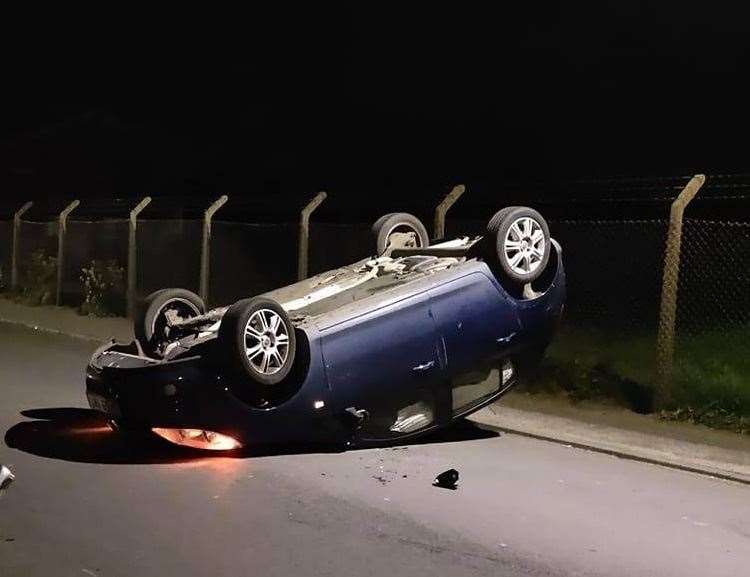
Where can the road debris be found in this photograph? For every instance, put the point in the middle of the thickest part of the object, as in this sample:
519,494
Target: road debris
6,477
447,480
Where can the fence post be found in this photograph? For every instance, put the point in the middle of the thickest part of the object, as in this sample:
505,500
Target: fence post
670,281
304,233
133,255
14,254
62,227
442,208
206,250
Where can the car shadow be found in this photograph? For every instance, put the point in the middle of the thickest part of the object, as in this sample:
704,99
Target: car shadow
84,436
461,430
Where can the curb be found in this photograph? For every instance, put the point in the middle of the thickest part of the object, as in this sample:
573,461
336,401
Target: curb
50,331
631,456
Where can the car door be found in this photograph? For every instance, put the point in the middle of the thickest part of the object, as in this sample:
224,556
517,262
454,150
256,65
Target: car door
477,323
386,362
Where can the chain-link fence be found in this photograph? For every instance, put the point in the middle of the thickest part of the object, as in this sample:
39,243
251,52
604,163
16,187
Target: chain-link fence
613,270
105,241
614,266
333,244
249,259
35,238
714,290
168,255
246,259
615,263
712,342
36,260
6,243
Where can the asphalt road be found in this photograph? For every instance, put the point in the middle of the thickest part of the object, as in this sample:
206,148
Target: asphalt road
86,504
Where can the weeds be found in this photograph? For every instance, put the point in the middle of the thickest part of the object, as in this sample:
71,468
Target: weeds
38,280
711,382
103,284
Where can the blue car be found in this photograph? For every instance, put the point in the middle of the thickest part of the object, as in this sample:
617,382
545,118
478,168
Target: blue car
377,352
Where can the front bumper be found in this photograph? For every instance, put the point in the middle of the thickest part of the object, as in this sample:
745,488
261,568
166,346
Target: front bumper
194,393
148,393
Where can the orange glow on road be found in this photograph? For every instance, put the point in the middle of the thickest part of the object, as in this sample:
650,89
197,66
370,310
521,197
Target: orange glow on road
198,439
102,429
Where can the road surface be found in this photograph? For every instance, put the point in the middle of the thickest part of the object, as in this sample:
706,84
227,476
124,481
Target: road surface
84,503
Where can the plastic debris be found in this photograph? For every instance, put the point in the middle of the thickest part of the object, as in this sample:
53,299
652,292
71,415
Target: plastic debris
6,477
447,480
355,418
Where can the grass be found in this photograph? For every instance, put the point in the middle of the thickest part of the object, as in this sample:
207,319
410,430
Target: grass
711,379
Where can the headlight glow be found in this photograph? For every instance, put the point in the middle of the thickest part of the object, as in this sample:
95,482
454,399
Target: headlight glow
198,439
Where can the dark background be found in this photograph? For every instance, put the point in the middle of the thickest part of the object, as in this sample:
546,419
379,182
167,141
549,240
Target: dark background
393,101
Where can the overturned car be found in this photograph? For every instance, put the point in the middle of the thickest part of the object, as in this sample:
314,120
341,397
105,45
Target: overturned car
376,352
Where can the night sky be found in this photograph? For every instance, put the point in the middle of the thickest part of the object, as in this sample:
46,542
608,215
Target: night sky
373,99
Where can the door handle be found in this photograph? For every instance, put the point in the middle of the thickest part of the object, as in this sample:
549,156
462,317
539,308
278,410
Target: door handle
506,339
424,366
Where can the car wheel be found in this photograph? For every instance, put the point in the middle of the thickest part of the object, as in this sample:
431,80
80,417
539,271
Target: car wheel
258,337
521,243
151,327
388,226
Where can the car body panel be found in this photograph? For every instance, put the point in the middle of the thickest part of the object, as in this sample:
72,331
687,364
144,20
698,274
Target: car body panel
476,321
383,359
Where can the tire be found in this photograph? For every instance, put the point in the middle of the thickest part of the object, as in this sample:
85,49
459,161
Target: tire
149,325
379,223
494,224
273,358
386,225
514,231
